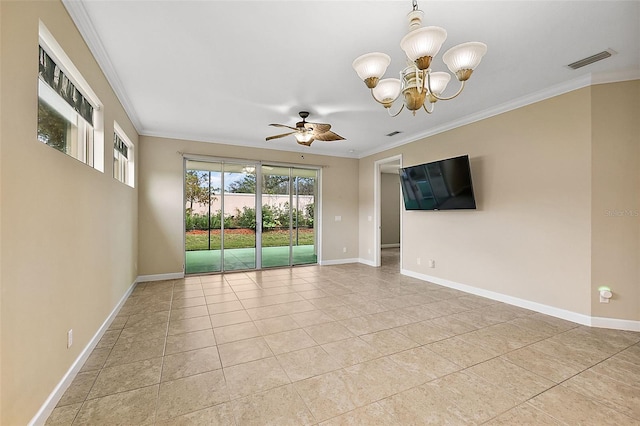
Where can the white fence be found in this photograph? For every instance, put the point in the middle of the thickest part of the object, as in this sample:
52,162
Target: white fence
234,201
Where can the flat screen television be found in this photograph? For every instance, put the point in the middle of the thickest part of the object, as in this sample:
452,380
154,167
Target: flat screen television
440,185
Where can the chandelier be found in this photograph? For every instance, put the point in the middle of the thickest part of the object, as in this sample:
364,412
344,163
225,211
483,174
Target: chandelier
418,83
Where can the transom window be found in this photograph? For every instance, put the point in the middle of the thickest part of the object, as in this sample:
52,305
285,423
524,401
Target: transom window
122,157
67,116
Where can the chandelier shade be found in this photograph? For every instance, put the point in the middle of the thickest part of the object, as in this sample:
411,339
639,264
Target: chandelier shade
371,66
421,87
423,42
387,90
465,56
438,82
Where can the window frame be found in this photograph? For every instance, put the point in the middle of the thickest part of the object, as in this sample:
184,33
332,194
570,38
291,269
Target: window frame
127,169
92,151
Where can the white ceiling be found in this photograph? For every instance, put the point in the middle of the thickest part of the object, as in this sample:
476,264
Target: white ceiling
221,71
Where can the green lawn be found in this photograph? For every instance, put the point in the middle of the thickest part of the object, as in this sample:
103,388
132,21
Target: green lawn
245,238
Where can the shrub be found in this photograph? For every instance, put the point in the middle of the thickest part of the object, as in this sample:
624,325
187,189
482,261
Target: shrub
273,217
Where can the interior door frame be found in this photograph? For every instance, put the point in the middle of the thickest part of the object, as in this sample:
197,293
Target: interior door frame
377,207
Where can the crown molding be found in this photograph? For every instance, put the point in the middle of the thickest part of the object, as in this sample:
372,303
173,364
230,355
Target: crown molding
541,95
81,19
616,76
295,148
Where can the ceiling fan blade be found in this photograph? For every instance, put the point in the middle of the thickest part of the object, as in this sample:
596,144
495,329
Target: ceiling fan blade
318,128
280,136
328,137
282,125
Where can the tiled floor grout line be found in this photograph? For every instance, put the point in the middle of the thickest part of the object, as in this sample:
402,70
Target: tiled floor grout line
396,289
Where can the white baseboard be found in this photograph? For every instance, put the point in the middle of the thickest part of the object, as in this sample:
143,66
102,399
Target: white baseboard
615,323
367,262
337,262
583,319
160,277
394,245
45,411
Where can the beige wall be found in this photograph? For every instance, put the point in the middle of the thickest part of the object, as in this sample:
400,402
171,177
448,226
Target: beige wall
528,238
544,177
1,138
615,259
1,133
531,236
161,249
389,208
69,232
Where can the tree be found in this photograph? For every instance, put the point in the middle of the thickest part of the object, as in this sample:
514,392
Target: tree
306,185
247,185
272,184
197,188
53,128
275,185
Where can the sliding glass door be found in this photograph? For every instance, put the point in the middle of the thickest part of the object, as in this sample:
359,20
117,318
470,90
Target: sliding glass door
239,225
226,231
276,216
303,231
288,216
203,227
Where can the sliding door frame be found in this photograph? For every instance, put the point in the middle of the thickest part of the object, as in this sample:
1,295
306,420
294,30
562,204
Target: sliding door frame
317,224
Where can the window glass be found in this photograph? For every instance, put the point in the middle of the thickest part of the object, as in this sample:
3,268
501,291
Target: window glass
65,116
122,157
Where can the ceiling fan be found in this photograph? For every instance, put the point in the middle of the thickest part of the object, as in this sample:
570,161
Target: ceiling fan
305,132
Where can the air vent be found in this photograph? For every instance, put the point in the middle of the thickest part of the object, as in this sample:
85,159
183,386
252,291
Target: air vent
591,59
394,133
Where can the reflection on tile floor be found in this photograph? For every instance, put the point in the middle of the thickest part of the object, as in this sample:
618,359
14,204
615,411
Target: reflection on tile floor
347,344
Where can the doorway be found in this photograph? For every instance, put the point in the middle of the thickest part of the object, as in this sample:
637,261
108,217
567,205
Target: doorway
385,171
242,215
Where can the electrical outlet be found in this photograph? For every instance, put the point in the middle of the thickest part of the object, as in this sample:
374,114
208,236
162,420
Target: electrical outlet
432,263
418,261
344,249
368,251
69,338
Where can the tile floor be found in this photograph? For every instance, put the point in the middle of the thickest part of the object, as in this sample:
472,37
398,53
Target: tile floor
347,344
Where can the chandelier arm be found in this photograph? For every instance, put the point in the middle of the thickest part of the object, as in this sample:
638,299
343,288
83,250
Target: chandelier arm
433,105
397,113
442,98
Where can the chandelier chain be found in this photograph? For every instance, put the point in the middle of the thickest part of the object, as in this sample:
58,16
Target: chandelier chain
415,5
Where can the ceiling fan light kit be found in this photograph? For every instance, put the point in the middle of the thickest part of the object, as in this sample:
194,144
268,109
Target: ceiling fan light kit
305,132
418,83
